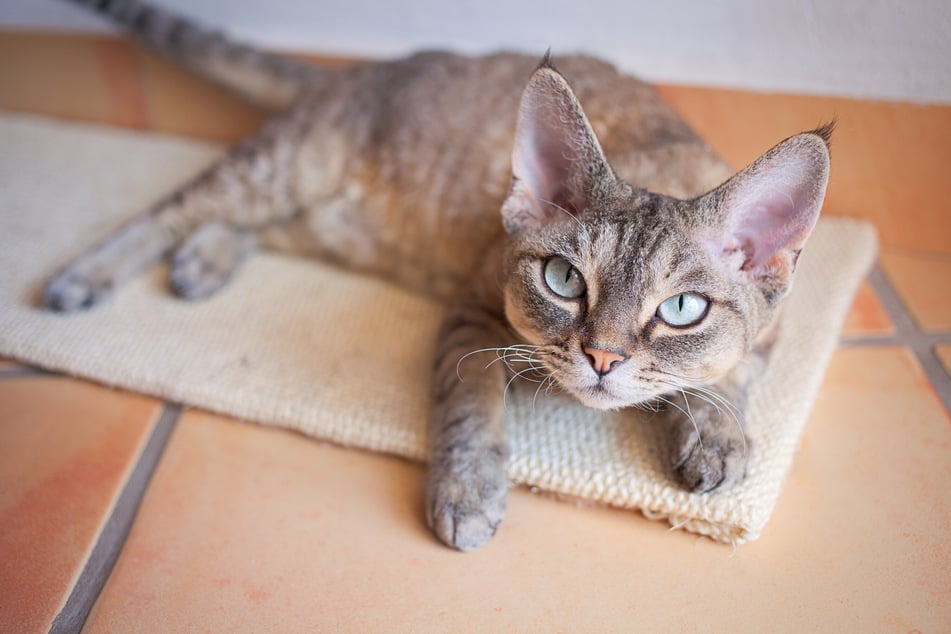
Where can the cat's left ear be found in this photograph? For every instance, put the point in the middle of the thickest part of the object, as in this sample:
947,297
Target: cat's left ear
557,161
763,215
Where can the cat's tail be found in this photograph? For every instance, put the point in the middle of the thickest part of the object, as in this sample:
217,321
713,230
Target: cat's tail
267,80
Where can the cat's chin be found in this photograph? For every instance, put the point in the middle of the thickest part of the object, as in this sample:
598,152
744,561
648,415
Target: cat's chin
603,398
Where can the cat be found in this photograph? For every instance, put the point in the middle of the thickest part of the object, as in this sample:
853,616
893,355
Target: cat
608,251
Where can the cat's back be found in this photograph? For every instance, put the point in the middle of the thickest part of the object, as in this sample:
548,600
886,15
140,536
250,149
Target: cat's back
424,145
441,109
438,106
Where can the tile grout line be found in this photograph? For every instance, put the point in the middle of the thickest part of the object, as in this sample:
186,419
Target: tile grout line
112,537
927,338
908,333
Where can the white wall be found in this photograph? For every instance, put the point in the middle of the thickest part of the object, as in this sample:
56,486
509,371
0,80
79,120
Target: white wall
891,49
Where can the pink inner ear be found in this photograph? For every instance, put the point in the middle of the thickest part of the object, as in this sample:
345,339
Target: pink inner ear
529,202
543,157
773,205
554,158
776,220
531,164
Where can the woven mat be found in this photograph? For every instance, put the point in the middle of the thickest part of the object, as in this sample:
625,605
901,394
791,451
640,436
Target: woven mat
346,358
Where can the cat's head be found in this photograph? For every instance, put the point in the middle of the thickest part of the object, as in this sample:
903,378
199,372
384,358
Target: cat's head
628,293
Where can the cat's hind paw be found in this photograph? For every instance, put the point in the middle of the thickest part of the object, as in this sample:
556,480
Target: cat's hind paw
76,288
207,260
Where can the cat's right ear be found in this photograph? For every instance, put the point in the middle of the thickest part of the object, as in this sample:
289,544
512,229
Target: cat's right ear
557,160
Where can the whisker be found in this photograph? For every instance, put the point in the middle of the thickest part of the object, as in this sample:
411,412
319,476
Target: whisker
692,419
507,385
715,399
502,354
530,355
689,417
649,406
716,396
549,379
469,354
686,390
733,411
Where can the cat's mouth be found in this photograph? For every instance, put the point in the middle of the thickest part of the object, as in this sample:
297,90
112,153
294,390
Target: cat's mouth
611,392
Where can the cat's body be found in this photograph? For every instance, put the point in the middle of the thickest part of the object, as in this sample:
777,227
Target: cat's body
400,169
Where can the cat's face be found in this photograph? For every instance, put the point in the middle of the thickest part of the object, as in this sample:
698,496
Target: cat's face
626,295
627,303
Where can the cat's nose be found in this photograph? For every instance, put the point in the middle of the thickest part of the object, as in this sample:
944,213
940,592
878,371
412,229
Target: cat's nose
603,361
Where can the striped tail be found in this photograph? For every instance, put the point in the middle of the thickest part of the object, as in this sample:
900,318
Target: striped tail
270,81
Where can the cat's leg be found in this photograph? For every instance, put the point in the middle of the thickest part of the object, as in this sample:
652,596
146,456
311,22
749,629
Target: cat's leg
250,187
90,278
709,447
468,482
208,258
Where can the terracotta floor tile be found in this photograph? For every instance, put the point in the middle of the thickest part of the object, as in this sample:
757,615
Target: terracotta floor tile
254,529
67,447
179,102
944,353
870,478
182,103
867,316
71,76
924,282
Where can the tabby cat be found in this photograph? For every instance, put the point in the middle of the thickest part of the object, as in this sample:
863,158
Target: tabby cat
599,252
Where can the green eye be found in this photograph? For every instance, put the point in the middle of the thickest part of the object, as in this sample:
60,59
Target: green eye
686,309
563,279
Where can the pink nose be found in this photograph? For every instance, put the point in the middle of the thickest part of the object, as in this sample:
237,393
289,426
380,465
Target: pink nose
603,361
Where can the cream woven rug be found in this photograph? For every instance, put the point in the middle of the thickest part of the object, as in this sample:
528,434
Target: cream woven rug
346,358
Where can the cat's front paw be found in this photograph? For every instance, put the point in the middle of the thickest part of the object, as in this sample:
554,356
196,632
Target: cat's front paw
77,287
466,500
715,460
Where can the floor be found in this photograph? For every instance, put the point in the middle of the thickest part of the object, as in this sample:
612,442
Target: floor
143,516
